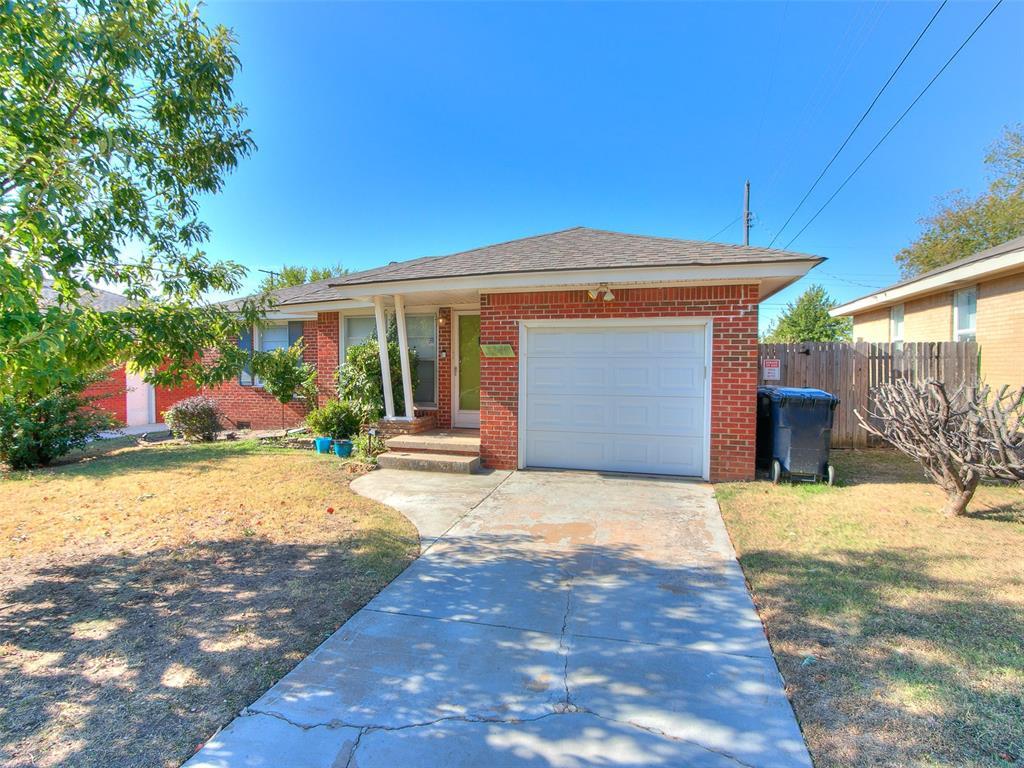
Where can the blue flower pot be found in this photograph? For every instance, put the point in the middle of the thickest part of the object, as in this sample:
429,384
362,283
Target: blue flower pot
343,448
323,444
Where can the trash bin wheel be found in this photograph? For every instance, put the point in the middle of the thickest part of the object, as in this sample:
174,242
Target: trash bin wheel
830,477
776,471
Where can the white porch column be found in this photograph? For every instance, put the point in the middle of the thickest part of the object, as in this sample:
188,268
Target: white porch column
403,350
385,364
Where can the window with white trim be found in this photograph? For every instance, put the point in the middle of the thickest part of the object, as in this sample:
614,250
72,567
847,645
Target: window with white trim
965,313
422,333
266,338
896,324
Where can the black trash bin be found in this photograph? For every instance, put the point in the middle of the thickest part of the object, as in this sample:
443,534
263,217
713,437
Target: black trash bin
794,429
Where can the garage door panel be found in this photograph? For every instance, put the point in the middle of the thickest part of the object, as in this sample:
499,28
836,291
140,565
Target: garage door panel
615,399
632,416
655,376
659,455
618,342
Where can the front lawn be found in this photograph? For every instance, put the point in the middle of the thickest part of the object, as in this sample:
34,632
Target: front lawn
900,632
148,594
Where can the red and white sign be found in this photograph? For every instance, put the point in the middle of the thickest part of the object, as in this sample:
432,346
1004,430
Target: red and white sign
771,369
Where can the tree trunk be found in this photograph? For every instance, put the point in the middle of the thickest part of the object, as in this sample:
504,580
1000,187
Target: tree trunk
957,500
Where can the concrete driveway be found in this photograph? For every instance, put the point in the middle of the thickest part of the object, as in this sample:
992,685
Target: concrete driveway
555,619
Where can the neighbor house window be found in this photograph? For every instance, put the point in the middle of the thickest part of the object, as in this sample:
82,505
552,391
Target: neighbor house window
965,314
896,324
422,333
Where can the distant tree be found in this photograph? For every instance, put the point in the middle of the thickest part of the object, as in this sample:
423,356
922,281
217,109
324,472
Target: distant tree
290,275
807,319
961,225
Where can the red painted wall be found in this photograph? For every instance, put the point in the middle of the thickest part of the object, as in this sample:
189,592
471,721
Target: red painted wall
112,392
733,356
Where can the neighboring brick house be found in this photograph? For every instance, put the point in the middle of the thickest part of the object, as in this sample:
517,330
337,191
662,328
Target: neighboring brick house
979,298
124,394
578,349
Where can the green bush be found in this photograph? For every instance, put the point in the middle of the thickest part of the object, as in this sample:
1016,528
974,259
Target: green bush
339,419
194,418
34,432
359,378
283,373
368,447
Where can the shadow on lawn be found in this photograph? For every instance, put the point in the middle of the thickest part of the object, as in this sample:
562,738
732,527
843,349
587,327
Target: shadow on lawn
916,665
131,660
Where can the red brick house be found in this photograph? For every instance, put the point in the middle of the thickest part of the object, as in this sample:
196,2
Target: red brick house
580,349
124,394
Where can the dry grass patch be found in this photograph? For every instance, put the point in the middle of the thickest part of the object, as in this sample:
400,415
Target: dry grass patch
900,632
148,594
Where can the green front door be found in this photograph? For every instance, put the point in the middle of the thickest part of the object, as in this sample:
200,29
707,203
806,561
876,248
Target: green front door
467,383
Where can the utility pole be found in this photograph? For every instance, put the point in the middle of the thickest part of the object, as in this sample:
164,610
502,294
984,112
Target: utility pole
746,213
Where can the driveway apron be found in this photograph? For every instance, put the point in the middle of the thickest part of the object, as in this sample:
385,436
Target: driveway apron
563,619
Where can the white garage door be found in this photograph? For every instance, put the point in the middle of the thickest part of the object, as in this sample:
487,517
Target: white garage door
623,399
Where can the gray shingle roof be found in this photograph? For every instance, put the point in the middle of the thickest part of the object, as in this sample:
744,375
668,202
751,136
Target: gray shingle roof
104,301
570,249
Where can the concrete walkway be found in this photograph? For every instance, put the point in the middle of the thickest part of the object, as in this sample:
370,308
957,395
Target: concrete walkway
555,619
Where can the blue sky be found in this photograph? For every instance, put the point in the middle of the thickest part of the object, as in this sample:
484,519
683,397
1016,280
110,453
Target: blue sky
390,130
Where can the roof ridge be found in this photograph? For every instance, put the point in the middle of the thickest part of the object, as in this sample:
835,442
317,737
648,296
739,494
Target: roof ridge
683,240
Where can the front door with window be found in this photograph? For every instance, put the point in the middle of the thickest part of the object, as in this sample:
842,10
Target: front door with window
466,371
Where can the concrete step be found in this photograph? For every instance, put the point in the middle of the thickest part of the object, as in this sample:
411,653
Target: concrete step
456,463
436,442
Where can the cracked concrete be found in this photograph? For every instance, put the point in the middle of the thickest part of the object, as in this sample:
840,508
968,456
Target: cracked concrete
553,619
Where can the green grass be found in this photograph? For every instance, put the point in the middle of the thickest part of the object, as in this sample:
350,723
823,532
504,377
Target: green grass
899,631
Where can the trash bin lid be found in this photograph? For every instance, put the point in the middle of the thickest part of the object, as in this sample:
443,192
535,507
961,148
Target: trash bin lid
777,394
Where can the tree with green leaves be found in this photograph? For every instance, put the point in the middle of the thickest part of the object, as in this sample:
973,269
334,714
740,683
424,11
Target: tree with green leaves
285,375
117,116
807,319
290,275
961,225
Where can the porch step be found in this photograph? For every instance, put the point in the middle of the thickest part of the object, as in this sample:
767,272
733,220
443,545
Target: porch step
437,441
456,463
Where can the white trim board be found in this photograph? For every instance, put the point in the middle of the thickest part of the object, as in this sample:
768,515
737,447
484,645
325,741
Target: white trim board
949,280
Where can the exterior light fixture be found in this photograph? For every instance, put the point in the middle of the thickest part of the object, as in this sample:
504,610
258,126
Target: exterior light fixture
593,293
608,295
602,290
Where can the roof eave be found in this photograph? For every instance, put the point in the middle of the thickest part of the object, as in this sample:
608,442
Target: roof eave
789,270
951,279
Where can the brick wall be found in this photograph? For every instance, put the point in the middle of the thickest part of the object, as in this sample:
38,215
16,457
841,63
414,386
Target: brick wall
734,361
252,404
872,326
112,392
929,318
444,368
165,397
1000,328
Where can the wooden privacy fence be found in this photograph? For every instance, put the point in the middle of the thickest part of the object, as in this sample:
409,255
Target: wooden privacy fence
850,371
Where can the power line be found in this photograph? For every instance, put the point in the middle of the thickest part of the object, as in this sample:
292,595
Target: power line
898,121
859,122
725,227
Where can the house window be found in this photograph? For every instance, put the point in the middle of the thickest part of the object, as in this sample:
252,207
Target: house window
965,314
896,324
267,338
422,332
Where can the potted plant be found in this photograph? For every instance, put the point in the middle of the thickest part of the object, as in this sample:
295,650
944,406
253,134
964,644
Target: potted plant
334,422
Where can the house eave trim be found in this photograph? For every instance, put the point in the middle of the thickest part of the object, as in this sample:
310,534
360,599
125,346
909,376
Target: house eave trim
945,281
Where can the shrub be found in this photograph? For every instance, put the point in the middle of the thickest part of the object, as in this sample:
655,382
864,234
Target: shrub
339,419
34,432
285,376
368,447
194,418
359,378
